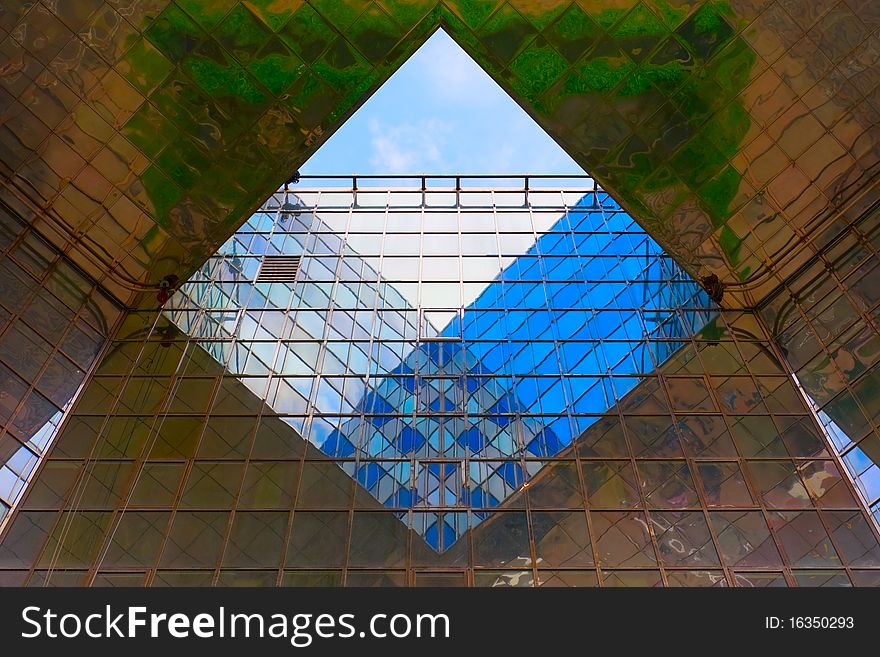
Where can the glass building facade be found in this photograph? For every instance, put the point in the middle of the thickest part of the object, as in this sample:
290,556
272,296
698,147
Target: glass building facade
137,136
826,318
436,401
440,387
55,321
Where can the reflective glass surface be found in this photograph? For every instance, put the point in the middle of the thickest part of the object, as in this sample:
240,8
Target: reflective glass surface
201,452
731,129
54,320
826,321
455,348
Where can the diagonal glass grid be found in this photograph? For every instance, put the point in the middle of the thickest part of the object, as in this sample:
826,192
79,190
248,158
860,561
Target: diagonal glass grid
425,405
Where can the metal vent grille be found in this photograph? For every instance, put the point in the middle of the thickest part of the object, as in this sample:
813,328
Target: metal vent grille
279,269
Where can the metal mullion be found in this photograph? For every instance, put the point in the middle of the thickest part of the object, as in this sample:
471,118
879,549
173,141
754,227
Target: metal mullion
67,510
847,479
646,509
189,462
53,348
814,408
350,506
568,403
753,490
704,504
42,459
579,461
121,508
467,420
247,460
522,447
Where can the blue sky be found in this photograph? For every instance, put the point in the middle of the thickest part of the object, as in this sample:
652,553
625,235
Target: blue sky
440,113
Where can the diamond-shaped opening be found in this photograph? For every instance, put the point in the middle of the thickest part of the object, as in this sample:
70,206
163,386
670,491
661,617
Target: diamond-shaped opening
445,337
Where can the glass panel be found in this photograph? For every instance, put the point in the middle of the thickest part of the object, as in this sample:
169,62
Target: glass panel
136,540
506,544
622,539
804,539
760,580
562,407
683,539
822,578
562,539
744,539
318,540
667,484
195,540
696,578
778,484
724,484
256,539
853,537
568,578
611,484
631,578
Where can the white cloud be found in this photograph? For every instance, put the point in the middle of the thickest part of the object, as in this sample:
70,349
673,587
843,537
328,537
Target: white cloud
440,114
408,147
